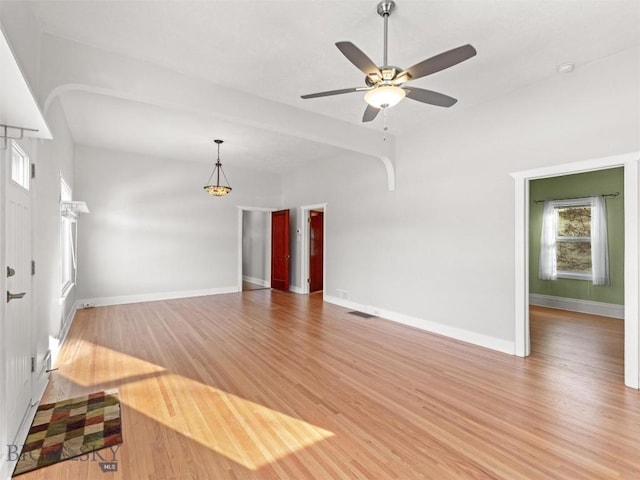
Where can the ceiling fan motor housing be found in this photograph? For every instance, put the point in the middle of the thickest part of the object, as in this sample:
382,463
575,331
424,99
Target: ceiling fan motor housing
388,76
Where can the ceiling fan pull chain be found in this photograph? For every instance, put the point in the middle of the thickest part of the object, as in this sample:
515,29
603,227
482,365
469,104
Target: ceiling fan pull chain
386,127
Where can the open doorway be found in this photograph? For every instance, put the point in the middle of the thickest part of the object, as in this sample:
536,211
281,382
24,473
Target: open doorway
255,249
313,248
576,269
522,343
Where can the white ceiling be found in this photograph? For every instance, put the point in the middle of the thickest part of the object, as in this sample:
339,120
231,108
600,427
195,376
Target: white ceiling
280,50
115,124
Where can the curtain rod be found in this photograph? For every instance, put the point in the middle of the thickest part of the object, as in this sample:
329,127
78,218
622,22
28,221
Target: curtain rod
614,194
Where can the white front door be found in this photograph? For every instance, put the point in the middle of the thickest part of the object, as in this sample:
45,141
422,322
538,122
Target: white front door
18,340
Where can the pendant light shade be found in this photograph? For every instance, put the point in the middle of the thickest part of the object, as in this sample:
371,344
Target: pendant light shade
218,190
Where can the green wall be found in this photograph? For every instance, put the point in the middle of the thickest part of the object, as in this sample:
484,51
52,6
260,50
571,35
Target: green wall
581,185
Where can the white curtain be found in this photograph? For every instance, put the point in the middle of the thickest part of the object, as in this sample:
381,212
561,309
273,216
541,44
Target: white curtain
599,243
547,268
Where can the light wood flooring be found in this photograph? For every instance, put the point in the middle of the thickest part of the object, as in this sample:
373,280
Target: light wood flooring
270,385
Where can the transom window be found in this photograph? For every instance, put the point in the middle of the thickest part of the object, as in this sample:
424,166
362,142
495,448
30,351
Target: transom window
20,166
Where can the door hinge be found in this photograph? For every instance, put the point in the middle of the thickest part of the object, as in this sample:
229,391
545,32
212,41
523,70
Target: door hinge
33,267
33,364
308,219
308,280
33,170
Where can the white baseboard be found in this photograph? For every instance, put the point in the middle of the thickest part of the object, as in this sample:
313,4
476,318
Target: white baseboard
152,297
294,289
576,305
499,344
64,330
68,321
257,281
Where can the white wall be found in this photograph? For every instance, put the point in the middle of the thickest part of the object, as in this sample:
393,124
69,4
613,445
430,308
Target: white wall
256,232
152,228
55,158
438,252
23,34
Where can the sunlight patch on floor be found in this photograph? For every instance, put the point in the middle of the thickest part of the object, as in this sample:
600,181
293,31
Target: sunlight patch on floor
244,431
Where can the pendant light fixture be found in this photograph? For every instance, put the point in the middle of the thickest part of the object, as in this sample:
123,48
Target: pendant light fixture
217,190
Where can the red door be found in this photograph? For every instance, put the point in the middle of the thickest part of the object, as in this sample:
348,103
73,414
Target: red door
280,250
316,250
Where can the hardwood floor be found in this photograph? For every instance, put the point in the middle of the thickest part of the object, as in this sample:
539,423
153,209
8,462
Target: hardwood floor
269,385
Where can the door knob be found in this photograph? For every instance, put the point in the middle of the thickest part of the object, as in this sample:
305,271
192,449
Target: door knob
14,296
10,272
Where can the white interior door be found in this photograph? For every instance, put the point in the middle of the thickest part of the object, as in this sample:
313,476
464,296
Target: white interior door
18,344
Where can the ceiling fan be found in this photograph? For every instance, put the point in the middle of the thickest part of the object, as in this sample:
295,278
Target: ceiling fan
385,84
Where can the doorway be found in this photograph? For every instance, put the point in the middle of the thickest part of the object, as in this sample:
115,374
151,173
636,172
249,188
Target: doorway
570,312
256,250
522,342
270,231
313,264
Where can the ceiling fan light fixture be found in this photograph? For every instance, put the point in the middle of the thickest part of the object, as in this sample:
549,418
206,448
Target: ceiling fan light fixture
384,96
383,83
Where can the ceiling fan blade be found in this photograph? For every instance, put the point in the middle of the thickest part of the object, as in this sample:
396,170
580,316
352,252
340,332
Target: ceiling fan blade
331,92
370,113
358,58
427,96
440,62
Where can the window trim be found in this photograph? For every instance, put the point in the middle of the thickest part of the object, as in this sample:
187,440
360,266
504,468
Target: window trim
66,222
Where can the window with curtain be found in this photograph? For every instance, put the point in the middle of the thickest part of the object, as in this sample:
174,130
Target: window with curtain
573,242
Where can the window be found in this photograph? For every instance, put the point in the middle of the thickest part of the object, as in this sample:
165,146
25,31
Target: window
67,242
573,240
573,243
20,166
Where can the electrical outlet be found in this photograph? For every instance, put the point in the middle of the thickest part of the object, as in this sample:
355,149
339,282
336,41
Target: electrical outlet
88,304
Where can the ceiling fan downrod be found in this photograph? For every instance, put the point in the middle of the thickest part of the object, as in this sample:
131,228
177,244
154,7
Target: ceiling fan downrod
385,7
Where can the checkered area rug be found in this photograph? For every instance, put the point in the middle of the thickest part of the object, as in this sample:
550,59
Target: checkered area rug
71,428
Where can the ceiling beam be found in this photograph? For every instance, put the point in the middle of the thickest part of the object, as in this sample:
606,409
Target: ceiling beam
69,65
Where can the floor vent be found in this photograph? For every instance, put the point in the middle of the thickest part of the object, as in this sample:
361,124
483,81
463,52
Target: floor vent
362,314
